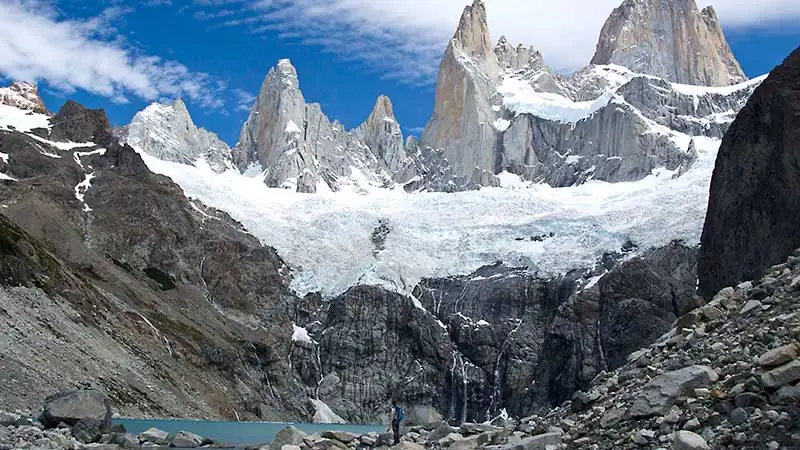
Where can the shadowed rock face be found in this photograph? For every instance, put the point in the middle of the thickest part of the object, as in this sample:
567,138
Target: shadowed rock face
753,216
498,338
671,39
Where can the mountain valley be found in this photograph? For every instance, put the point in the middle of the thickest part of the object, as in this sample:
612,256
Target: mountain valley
541,229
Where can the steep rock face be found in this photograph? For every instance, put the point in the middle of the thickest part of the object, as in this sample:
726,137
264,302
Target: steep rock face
168,133
528,63
614,144
500,338
22,95
753,216
503,109
300,148
671,39
462,121
274,121
637,124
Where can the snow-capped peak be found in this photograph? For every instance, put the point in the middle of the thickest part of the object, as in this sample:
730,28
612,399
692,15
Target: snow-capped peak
168,132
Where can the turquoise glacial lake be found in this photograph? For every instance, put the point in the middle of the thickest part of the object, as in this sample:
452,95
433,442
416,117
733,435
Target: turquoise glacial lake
239,434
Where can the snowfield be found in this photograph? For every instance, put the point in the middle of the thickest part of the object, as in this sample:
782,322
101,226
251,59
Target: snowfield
326,237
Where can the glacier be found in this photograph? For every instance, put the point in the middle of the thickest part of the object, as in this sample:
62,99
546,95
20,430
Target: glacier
326,237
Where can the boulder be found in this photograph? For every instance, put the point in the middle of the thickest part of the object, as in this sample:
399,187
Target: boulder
539,442
126,440
87,430
384,439
470,443
660,394
782,376
787,395
155,436
778,356
468,429
405,445
287,436
7,419
368,440
341,436
687,440
185,439
443,430
72,406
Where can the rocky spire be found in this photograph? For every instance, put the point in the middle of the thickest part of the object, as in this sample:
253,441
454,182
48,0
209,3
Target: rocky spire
23,95
382,134
278,114
463,116
472,36
298,146
671,39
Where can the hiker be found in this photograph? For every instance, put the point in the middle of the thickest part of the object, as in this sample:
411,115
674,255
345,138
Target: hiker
398,414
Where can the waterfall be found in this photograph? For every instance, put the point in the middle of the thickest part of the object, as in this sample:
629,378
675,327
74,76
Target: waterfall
496,396
459,409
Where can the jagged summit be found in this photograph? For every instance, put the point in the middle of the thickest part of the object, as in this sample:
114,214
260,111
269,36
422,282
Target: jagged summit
499,110
383,108
381,133
671,39
168,132
521,57
472,35
287,73
299,147
23,95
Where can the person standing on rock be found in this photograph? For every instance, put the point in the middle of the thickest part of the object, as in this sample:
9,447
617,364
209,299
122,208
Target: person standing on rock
397,416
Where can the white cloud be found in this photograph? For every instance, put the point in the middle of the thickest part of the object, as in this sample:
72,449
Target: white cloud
405,39
69,54
244,100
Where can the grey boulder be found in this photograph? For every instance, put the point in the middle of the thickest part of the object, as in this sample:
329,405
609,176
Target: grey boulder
658,396
72,406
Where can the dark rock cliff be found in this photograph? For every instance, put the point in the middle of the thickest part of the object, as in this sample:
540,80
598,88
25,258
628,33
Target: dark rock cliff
753,218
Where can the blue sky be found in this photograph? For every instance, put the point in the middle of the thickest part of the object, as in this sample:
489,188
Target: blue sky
215,53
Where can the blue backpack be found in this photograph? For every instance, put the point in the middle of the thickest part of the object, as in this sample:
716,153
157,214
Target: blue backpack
399,413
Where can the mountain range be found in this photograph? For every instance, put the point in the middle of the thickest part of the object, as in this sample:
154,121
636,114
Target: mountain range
541,229
498,108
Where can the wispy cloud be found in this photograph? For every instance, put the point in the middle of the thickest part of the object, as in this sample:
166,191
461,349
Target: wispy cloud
244,100
89,54
404,40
